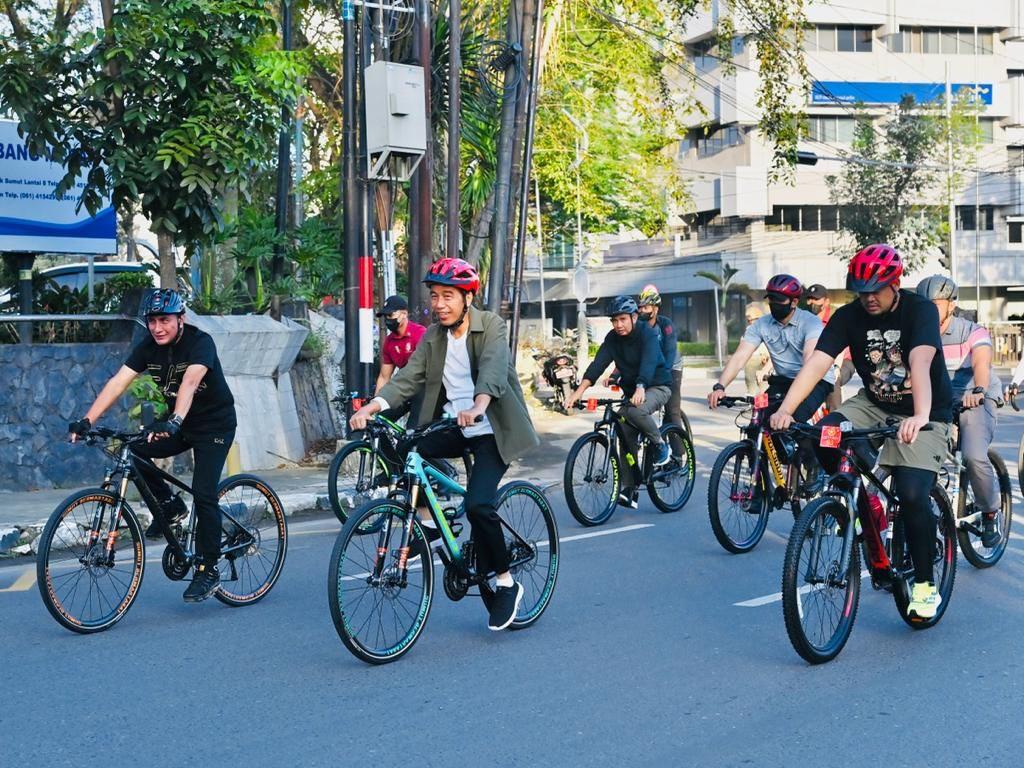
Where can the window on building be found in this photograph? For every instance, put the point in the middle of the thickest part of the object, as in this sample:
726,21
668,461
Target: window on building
705,52
845,38
1015,157
1015,231
945,40
986,130
802,218
967,221
831,128
717,139
829,218
826,37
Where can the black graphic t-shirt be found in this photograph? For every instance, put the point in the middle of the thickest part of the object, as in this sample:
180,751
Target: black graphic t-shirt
213,407
881,346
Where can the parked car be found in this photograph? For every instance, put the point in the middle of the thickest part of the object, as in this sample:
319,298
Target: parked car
76,276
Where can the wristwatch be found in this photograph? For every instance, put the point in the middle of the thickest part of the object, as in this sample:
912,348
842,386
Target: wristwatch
718,387
978,391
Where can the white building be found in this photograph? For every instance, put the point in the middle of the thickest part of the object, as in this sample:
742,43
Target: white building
867,51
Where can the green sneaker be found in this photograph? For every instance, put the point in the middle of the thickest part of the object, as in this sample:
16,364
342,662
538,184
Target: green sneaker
924,600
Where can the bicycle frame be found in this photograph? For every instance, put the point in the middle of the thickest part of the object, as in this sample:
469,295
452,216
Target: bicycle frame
612,426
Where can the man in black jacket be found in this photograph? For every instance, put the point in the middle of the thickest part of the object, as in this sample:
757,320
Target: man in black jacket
645,379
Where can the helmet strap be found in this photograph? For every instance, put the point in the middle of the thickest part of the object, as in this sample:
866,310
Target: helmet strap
462,317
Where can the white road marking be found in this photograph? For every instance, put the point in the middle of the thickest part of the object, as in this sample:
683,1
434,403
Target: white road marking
776,596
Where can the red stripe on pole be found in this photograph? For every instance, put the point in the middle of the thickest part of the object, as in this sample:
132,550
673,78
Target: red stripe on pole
366,282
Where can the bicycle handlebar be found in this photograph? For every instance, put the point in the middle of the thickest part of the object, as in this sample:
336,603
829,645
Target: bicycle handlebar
441,425
730,401
889,431
959,408
581,405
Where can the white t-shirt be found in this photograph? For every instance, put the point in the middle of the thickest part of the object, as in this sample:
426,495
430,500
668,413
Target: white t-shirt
458,384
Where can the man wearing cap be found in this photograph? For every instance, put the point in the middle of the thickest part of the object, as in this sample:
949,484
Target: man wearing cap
819,303
403,337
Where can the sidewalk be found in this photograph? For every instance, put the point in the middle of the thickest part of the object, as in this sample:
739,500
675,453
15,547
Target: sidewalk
302,489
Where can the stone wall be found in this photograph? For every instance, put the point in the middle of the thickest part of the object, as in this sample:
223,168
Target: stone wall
42,388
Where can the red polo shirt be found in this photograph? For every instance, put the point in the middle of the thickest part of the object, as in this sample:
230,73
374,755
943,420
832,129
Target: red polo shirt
397,350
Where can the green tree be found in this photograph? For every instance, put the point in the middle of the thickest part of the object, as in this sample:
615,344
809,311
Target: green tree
161,104
890,187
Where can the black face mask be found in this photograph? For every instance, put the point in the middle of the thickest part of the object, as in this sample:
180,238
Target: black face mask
391,324
780,311
816,308
645,317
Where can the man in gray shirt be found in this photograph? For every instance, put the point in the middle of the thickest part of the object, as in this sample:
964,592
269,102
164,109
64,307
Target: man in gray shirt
789,334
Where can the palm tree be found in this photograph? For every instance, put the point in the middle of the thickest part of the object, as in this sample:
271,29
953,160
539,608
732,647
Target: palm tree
721,288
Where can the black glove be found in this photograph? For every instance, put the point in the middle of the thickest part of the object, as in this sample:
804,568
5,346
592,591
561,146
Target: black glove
80,427
171,426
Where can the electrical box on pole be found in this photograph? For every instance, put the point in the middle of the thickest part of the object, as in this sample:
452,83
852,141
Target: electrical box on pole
396,122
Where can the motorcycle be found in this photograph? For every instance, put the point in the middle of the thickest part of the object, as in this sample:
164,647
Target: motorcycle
559,371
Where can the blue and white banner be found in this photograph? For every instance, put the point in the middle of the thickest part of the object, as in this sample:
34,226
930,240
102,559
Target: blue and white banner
843,92
32,218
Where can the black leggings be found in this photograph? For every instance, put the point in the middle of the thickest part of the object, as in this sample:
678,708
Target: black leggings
481,491
209,452
912,486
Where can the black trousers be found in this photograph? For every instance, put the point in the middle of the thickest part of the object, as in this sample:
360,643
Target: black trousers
481,492
209,452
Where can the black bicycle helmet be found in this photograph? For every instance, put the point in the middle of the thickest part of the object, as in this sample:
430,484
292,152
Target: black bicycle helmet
622,305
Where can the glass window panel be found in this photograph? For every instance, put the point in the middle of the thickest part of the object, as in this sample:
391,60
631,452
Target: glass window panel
895,42
809,218
916,42
948,41
1015,231
985,39
829,218
790,218
966,37
965,218
844,39
986,130
826,38
810,39
930,40
1015,157
864,36
988,216
829,132
844,130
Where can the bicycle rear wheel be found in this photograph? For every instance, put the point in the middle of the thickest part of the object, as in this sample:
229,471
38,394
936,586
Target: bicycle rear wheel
737,503
253,514
970,540
819,597
945,561
591,480
531,537
670,486
355,477
377,611
83,588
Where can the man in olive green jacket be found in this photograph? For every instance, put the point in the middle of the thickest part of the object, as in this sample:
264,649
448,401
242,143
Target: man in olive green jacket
464,369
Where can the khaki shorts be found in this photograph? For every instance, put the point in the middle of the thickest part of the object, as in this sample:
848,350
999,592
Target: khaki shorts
928,451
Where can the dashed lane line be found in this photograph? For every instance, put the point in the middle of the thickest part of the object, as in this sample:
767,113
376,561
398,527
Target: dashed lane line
24,582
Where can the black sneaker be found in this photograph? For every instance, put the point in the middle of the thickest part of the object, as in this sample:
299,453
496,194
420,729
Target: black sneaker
989,534
175,508
504,606
627,498
205,581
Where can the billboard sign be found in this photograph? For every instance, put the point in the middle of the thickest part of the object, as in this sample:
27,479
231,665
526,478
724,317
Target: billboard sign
32,218
842,92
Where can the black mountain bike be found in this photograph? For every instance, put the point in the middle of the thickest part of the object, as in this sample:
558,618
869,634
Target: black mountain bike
380,589
821,573
754,476
369,468
92,552
596,480
968,517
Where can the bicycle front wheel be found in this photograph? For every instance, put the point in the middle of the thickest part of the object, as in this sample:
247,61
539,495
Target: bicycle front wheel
819,596
944,561
737,501
356,476
378,609
85,588
970,540
670,486
591,479
531,537
252,515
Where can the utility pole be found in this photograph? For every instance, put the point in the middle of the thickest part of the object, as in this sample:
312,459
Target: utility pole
366,239
283,170
421,226
454,235
351,200
503,171
540,261
951,212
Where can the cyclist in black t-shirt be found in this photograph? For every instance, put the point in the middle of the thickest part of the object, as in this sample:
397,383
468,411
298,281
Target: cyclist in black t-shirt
183,362
894,340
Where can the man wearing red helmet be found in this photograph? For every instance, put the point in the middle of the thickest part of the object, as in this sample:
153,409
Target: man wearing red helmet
894,340
463,368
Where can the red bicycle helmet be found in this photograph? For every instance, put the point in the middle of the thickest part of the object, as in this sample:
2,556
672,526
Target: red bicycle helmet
873,268
784,288
455,272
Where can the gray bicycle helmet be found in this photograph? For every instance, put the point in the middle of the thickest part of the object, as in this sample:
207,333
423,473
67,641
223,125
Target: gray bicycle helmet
622,305
937,287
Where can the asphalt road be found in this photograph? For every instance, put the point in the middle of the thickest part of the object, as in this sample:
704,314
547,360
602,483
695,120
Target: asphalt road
644,658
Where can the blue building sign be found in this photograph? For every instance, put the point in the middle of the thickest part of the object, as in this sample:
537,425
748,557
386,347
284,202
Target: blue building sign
842,92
